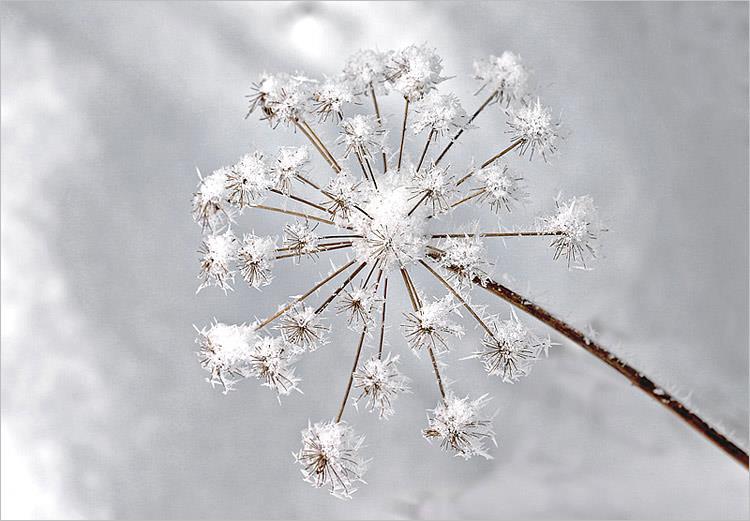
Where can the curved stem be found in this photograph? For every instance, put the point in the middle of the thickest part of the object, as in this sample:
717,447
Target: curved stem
635,377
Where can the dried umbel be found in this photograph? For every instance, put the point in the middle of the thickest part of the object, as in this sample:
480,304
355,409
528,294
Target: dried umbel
379,217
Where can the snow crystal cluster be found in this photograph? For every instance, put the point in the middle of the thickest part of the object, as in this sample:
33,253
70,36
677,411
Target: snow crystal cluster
375,206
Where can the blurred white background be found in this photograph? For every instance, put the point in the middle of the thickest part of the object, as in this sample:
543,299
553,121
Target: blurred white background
108,108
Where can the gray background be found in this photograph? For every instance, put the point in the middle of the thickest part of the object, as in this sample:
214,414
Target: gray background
108,109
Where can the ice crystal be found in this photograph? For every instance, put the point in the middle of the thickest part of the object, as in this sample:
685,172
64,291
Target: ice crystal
577,222
330,457
271,362
282,98
343,195
500,187
458,424
331,95
366,69
414,71
209,201
534,127
300,238
225,352
358,305
465,259
362,136
504,75
430,325
380,382
290,164
248,180
218,253
441,113
432,184
510,350
303,328
255,259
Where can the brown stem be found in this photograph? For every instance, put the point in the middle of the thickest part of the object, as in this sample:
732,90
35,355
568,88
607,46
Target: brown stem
459,298
329,247
301,200
296,214
491,160
635,377
418,203
380,122
351,375
533,233
403,133
461,131
382,320
317,146
369,176
468,198
328,195
303,297
416,304
327,152
338,290
426,146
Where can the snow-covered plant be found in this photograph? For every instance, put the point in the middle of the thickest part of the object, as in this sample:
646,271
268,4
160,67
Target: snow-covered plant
380,217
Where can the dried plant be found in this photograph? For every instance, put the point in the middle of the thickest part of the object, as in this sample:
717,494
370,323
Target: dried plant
383,219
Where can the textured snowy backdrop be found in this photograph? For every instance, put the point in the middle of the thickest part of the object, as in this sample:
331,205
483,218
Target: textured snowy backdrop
108,109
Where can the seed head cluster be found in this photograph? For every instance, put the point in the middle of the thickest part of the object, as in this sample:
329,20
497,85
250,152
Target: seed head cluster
373,202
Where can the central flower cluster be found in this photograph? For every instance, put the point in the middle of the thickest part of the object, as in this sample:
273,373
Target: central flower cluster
392,233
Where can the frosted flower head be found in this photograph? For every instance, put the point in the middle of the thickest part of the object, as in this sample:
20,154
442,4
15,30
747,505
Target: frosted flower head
255,259
366,69
209,201
464,259
282,98
359,305
510,350
300,238
533,124
392,237
432,184
361,135
330,458
505,75
458,424
225,352
303,328
218,251
271,362
290,163
501,188
380,382
331,95
577,222
431,325
343,194
441,113
414,71
248,180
